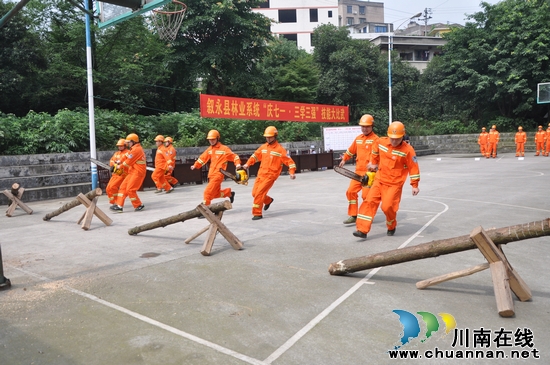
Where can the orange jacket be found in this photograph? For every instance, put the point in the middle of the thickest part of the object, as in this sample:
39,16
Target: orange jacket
540,136
395,163
521,137
483,138
494,137
135,162
272,157
218,155
160,159
361,147
170,156
548,133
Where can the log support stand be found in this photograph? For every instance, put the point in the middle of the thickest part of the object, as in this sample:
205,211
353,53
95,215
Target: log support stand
215,226
505,279
91,210
15,196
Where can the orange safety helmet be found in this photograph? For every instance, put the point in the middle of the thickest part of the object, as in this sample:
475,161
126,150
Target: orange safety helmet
396,130
366,120
549,124
520,128
494,127
132,137
160,138
213,134
483,128
169,139
540,127
121,142
270,131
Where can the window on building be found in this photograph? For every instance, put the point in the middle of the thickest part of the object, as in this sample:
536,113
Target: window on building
362,20
291,37
264,4
287,16
408,56
380,29
349,9
313,16
330,13
365,30
362,10
349,21
422,55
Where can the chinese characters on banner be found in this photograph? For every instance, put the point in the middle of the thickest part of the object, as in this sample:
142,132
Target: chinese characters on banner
215,106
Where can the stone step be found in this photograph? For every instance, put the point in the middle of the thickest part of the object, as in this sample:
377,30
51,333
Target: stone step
41,170
46,180
50,192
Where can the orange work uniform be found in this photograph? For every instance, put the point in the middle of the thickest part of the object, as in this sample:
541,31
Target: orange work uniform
494,138
117,178
540,138
158,176
218,155
547,142
170,156
272,157
521,138
360,147
483,141
394,164
136,167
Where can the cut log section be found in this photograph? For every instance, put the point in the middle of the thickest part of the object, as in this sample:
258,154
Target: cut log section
441,247
15,196
182,217
73,203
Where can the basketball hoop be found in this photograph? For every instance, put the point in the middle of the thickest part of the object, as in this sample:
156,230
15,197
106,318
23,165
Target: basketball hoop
168,20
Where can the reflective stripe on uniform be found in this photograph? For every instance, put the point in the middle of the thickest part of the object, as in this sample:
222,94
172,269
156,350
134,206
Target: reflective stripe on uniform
364,217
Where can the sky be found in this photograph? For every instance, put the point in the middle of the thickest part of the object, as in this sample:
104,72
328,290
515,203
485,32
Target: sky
443,11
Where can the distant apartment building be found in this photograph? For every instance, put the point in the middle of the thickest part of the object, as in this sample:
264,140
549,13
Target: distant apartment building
295,20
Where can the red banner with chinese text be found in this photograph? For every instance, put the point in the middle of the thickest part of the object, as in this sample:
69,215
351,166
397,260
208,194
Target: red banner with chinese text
215,106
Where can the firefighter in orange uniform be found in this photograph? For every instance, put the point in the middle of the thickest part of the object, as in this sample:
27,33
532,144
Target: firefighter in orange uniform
394,160
521,138
170,156
540,138
483,141
136,167
118,175
272,157
158,176
494,138
547,141
218,155
360,147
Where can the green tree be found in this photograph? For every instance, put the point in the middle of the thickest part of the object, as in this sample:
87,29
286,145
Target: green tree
219,41
21,59
492,65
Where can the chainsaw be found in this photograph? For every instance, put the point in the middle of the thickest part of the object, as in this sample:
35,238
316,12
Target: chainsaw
105,166
366,180
241,176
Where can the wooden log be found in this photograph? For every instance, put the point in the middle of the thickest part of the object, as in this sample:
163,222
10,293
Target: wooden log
222,228
96,211
15,189
16,201
182,217
503,294
441,247
209,240
454,275
197,234
73,203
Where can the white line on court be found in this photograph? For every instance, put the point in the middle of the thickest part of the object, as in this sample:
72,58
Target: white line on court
302,332
151,321
491,203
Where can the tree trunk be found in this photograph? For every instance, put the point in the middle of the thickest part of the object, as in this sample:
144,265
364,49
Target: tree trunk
182,217
74,203
440,247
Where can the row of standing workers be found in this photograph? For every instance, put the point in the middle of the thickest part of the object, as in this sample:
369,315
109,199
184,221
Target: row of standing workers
129,166
488,142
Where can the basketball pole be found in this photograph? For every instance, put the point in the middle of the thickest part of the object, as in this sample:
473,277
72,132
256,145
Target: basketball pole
91,115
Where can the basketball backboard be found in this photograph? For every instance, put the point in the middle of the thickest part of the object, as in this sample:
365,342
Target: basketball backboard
543,93
115,11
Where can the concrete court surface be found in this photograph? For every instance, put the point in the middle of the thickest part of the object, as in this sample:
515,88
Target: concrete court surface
105,297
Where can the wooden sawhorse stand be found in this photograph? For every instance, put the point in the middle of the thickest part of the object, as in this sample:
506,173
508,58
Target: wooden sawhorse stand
215,226
505,278
15,196
91,210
